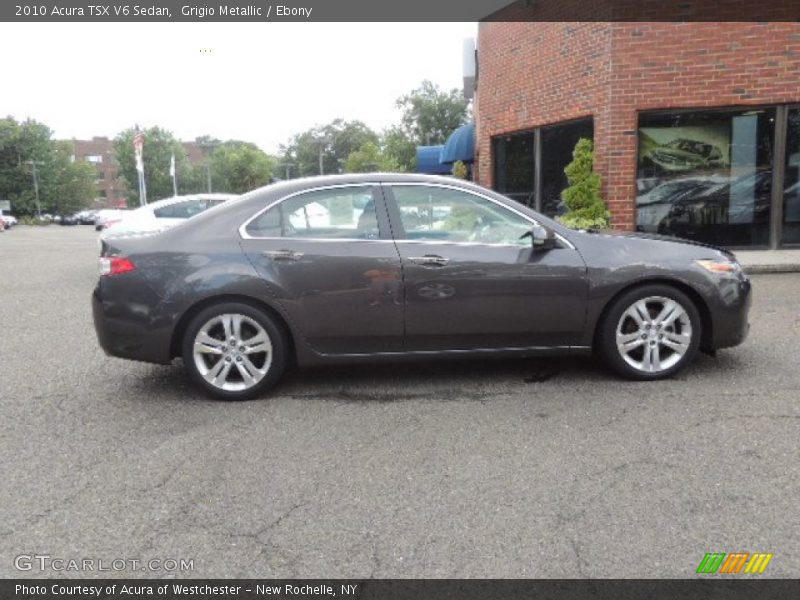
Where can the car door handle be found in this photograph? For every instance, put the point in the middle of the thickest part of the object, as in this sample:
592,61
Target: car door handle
283,255
430,260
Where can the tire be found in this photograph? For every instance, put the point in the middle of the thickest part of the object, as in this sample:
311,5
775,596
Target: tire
648,348
264,361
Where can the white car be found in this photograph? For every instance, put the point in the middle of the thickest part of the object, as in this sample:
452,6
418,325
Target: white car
163,214
8,220
108,216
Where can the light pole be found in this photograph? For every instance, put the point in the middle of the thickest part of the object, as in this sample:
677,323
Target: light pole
33,164
208,148
323,141
288,168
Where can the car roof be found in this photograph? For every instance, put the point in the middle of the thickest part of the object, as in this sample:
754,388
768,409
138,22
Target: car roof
185,198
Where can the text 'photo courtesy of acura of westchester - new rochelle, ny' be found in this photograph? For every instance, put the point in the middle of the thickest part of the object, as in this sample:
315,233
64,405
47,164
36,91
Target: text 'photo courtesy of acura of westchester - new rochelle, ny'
355,268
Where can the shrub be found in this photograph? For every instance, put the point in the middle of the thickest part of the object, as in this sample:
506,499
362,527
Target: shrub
585,206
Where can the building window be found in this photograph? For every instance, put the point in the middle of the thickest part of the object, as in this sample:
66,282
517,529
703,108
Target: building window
558,142
791,186
514,167
517,162
706,175
93,158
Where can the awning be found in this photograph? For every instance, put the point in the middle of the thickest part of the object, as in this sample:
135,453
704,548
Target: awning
428,161
460,145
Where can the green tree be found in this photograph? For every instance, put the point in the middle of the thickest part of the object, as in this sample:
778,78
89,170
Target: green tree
159,145
585,206
400,147
337,140
370,158
238,167
64,185
430,115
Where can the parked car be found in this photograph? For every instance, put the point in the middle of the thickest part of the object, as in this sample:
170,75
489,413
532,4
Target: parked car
8,220
108,216
69,219
250,287
163,214
86,217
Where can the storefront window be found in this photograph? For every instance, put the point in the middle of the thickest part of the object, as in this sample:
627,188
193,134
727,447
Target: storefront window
558,142
706,175
791,187
515,164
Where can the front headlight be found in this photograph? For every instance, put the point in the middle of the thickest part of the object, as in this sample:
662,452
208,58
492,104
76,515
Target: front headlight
720,265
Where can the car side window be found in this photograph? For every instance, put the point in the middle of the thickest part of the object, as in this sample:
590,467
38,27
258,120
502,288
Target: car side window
446,214
335,213
181,210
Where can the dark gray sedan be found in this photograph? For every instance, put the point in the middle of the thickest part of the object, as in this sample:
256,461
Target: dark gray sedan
394,267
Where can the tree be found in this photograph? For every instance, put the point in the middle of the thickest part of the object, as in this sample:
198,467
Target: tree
585,206
430,115
64,185
159,145
238,167
336,140
400,147
370,158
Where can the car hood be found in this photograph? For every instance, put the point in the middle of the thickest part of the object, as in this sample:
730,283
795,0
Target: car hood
634,237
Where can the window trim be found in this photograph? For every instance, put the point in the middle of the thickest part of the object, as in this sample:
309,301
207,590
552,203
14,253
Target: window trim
394,214
367,184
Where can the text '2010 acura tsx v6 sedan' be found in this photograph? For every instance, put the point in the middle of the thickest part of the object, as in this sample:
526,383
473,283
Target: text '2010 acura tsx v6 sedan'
354,268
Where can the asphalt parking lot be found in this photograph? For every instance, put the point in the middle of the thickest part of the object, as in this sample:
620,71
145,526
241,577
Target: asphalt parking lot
526,468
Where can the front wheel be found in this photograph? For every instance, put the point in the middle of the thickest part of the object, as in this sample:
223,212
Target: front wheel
651,332
234,351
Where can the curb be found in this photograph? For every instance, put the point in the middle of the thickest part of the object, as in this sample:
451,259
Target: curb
775,268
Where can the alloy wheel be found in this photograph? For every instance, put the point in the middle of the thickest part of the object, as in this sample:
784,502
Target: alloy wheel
232,352
653,334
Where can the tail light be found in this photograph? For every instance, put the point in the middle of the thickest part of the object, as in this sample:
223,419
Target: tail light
115,265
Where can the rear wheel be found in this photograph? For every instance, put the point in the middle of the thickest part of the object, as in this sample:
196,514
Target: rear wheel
234,351
650,332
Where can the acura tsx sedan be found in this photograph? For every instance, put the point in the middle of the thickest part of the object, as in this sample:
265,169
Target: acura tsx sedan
355,268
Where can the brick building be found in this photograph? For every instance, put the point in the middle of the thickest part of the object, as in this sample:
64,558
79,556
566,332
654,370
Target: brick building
111,189
696,125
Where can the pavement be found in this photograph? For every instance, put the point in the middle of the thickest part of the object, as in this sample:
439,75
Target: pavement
770,261
524,468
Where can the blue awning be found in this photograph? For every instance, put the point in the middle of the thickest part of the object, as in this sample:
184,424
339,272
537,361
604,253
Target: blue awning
428,161
460,145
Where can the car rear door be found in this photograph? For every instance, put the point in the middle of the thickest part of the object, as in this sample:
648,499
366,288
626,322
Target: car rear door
472,281
329,260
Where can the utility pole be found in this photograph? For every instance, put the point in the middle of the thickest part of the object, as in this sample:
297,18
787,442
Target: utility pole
288,168
323,141
208,149
33,164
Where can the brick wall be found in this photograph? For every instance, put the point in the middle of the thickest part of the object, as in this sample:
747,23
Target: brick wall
533,74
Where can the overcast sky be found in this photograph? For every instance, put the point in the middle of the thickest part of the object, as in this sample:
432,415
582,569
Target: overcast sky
253,81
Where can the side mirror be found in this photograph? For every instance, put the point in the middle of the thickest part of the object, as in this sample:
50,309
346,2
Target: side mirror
542,238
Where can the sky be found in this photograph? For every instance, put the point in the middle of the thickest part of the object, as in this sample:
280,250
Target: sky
258,82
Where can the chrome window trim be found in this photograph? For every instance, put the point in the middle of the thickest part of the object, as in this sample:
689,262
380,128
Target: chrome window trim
479,195
369,184
246,236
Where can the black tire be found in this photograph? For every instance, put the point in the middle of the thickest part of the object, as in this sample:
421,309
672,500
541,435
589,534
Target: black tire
277,337
607,332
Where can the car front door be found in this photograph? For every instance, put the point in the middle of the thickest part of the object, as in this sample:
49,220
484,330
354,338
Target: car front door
329,260
471,278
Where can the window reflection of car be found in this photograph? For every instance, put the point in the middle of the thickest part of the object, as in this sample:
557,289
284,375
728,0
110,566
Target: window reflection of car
744,200
654,206
683,154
